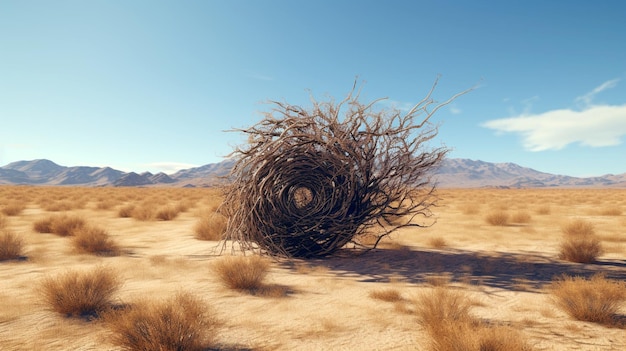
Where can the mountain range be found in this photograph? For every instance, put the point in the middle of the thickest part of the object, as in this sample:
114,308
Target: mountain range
453,173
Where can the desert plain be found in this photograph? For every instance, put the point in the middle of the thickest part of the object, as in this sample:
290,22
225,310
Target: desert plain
345,302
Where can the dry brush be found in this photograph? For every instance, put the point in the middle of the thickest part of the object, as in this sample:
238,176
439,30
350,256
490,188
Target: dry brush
310,181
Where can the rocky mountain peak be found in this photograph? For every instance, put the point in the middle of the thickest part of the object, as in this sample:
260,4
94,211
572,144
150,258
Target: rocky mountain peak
455,172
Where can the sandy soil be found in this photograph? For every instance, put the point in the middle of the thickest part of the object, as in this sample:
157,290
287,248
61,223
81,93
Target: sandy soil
506,269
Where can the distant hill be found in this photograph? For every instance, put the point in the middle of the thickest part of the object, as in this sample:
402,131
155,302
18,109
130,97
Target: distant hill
464,173
46,172
455,172
220,169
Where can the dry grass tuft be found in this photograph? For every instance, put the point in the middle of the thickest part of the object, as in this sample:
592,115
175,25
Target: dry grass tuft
440,306
167,213
497,217
580,249
470,209
63,205
578,227
13,208
126,211
439,279
388,295
149,210
445,315
180,323
63,225
90,239
145,212
43,225
106,204
437,243
211,227
3,221
521,217
611,211
184,205
81,293
66,225
595,300
580,243
242,272
11,245
544,210
501,338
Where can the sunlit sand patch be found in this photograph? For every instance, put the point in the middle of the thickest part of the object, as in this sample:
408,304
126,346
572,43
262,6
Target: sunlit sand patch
324,303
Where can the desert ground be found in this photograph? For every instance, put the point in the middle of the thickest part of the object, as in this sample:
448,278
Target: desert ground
347,302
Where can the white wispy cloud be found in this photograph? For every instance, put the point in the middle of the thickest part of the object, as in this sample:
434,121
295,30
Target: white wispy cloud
595,126
455,110
587,99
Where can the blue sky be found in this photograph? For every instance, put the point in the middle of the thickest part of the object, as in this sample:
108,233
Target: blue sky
153,85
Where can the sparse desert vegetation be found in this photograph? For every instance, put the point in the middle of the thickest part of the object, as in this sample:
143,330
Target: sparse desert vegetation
438,243
543,210
81,293
446,316
580,243
13,208
95,240
597,299
498,217
611,211
11,245
211,226
111,279
167,213
62,225
387,294
242,272
3,221
521,217
182,322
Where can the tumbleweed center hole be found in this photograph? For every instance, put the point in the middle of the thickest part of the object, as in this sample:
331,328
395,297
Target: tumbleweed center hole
302,197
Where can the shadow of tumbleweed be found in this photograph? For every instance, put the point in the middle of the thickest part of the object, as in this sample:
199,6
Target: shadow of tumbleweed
499,270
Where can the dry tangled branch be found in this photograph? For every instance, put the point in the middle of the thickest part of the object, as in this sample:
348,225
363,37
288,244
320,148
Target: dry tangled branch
310,181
